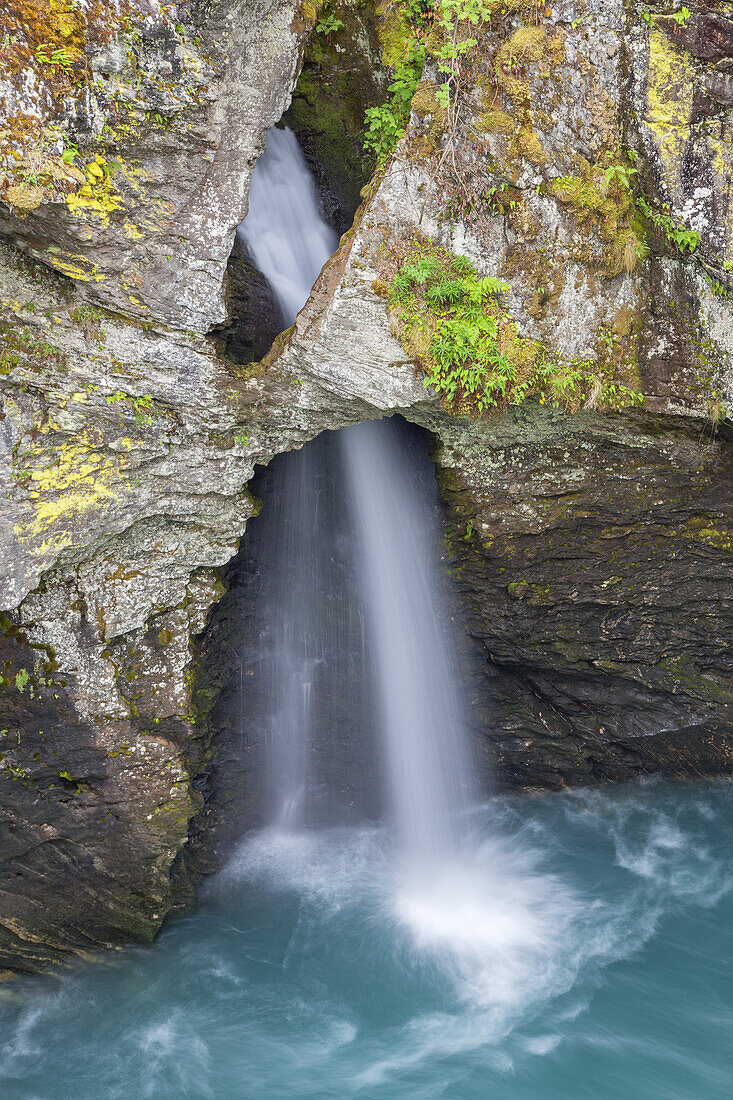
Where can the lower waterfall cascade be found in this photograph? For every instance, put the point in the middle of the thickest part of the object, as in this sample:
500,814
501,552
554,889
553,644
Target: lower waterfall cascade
445,945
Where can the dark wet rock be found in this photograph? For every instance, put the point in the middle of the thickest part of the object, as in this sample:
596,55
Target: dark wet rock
255,318
719,86
595,559
342,76
706,35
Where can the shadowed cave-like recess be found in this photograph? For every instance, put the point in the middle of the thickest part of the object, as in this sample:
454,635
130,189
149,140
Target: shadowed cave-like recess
316,562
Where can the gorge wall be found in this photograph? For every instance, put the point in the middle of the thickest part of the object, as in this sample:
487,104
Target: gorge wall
590,538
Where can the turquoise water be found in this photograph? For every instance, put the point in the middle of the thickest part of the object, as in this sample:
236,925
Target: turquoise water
581,948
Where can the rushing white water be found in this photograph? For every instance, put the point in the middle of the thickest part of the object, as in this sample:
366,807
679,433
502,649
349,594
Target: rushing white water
418,707
293,618
289,242
284,232
604,971
420,714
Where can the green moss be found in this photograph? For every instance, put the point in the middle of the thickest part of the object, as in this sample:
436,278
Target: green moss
702,528
533,593
338,82
686,675
394,27
603,201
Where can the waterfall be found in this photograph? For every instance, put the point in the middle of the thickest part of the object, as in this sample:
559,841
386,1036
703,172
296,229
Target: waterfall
291,608
283,231
392,514
419,710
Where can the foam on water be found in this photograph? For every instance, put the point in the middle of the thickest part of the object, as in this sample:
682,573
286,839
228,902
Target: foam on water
582,963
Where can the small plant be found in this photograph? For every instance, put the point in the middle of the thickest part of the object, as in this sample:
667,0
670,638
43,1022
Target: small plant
328,24
621,175
70,153
455,325
89,318
685,240
155,118
452,17
385,125
717,288
56,59
21,679
502,198
141,405
680,17
715,409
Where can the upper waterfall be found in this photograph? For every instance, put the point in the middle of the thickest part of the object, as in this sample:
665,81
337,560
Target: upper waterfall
284,232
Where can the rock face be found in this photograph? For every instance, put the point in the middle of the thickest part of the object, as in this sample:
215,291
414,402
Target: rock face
595,558
592,550
169,116
342,75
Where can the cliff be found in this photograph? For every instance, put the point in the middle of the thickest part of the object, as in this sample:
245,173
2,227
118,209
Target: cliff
581,158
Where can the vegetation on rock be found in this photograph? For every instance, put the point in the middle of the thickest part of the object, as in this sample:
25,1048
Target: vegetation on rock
456,326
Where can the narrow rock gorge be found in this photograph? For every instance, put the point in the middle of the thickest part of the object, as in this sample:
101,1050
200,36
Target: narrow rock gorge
578,152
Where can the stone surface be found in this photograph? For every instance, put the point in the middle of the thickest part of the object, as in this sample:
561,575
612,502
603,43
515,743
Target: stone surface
129,438
682,102
595,554
154,240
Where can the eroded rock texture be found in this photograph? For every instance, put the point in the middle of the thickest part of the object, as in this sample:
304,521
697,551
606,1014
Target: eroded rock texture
592,550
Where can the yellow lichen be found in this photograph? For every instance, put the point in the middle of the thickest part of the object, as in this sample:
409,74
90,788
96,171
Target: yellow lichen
670,92
98,196
671,86
74,265
79,480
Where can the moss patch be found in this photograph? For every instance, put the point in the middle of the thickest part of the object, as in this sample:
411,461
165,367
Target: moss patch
602,200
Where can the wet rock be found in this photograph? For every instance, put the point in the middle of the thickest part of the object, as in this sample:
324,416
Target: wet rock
255,317
342,76
706,35
719,86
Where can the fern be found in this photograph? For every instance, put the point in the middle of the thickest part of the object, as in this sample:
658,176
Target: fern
457,328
